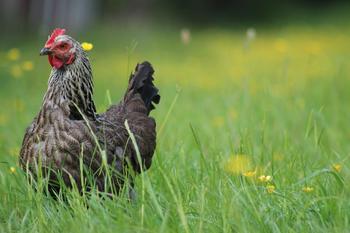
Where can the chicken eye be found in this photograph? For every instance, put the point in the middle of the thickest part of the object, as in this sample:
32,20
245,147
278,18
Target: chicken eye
63,46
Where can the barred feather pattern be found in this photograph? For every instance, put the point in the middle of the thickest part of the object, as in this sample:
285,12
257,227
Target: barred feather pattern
67,130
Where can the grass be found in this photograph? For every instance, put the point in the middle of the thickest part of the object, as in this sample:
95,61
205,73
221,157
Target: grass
232,110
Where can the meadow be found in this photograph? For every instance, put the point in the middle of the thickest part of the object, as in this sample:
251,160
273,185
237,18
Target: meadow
253,131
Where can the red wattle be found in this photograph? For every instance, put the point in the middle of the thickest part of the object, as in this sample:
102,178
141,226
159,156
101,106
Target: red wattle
54,61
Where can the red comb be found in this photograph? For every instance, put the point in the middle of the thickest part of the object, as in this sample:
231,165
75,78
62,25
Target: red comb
55,33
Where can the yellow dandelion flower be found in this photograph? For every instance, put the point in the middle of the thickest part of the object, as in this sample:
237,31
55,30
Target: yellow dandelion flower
336,167
12,170
238,164
218,121
264,178
307,189
87,46
16,71
27,66
270,188
13,54
249,173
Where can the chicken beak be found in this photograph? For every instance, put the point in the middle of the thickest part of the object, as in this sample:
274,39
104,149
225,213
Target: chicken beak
45,51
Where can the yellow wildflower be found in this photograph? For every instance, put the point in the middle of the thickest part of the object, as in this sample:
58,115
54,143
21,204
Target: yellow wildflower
336,167
249,173
13,54
307,189
16,71
238,164
264,178
12,170
270,188
27,65
87,46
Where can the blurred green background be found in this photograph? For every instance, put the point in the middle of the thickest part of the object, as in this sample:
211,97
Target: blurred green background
263,84
40,16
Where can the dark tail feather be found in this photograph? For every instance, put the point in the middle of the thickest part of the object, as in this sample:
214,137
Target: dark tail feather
141,81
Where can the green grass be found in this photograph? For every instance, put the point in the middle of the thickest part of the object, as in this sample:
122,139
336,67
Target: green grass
278,105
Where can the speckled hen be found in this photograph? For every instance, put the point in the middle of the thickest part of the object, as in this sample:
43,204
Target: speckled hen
67,132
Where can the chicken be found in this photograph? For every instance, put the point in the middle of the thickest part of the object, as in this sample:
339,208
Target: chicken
68,133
